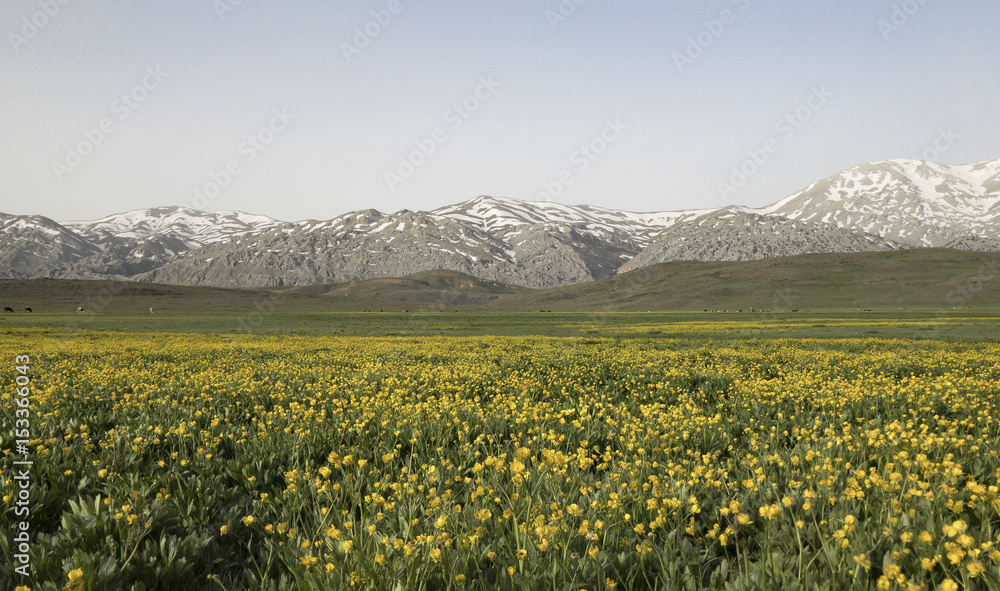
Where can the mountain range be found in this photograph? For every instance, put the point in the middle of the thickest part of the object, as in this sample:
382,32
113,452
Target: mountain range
877,206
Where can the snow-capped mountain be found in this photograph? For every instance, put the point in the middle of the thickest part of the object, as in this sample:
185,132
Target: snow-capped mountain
508,217
874,206
35,246
191,227
138,241
912,202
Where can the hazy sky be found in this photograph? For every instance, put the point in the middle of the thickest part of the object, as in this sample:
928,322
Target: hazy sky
308,109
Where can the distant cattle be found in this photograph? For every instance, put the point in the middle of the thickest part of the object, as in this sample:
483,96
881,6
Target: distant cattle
8,309
79,309
150,310
27,309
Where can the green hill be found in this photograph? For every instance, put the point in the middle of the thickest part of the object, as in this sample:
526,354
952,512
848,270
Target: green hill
438,286
928,279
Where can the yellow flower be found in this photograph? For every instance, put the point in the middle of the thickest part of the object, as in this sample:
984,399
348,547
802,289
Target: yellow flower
330,567
594,552
308,560
609,583
436,554
906,537
224,530
862,560
75,574
787,501
928,563
975,568
884,583
522,554
248,520
956,554
770,512
460,578
949,585
925,537
347,546
955,528
380,559
102,473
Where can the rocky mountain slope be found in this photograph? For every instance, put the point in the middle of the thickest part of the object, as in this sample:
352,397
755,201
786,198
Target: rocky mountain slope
737,234
874,206
35,246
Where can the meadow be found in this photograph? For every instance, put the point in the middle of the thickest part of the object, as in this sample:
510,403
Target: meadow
645,453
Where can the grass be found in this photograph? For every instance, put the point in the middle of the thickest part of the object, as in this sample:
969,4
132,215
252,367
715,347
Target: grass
964,325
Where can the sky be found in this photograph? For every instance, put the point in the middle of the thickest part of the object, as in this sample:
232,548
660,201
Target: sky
304,109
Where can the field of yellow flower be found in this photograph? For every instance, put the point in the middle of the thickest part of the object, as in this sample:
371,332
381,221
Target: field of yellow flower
245,462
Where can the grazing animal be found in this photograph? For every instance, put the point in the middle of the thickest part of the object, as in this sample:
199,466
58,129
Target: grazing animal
150,310
27,309
8,309
79,308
